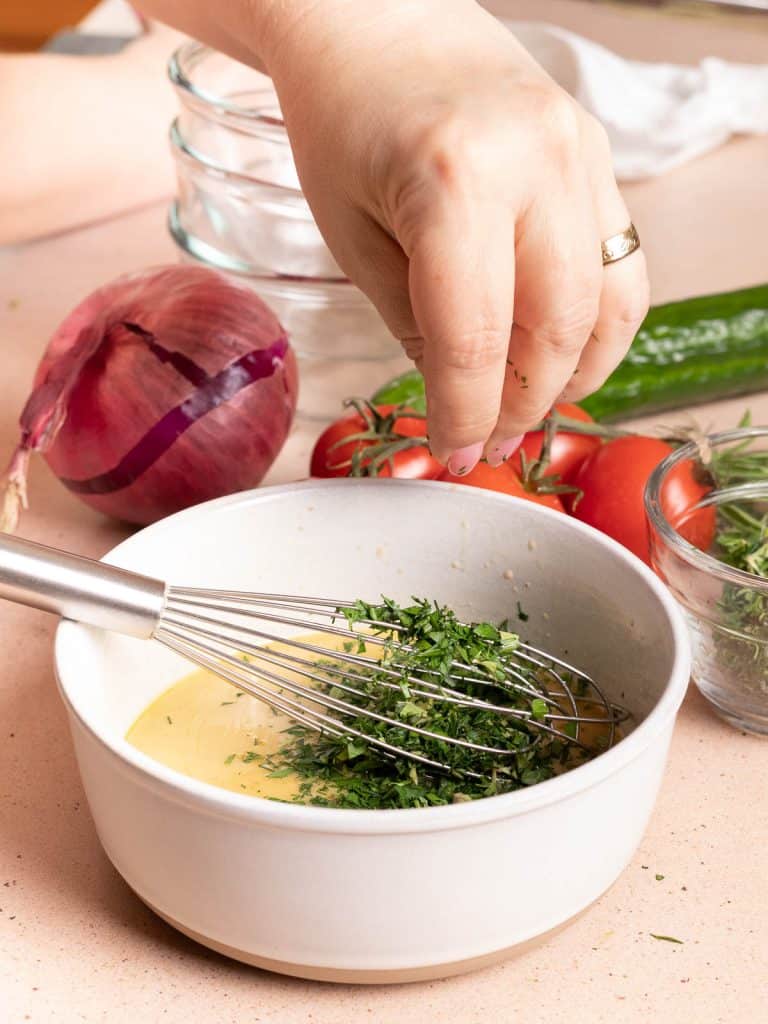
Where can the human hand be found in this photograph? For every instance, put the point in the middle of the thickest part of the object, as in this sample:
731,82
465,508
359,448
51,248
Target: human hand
467,195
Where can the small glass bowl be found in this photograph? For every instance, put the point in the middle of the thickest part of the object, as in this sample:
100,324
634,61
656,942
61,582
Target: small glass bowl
325,321
727,608
239,193
240,210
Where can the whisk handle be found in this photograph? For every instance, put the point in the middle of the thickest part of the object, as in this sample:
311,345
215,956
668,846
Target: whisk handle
79,588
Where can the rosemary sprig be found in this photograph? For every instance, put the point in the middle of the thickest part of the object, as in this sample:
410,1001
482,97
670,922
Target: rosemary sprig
741,645
741,541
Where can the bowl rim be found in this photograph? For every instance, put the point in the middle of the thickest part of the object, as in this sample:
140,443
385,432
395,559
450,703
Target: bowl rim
183,61
301,817
694,556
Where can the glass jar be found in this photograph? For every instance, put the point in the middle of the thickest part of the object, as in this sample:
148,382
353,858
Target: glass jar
240,210
726,607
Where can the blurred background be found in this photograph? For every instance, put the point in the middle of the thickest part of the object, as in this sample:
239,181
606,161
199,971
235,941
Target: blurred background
29,24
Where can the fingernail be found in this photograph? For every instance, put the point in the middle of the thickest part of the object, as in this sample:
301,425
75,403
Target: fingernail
502,451
464,460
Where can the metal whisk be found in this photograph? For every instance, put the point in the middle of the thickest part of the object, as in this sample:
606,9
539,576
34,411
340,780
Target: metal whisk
227,632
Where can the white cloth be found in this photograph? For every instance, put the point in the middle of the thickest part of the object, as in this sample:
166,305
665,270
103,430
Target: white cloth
657,115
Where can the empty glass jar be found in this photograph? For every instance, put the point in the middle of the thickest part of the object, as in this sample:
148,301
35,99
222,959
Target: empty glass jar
240,209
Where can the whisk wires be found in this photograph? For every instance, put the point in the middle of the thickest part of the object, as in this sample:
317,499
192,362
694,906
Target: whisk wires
367,673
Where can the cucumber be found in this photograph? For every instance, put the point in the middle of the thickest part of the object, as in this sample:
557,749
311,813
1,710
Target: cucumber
696,350
406,389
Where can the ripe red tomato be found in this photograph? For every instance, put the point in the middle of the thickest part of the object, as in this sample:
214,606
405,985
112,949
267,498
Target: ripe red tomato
679,494
503,479
568,450
613,480
332,457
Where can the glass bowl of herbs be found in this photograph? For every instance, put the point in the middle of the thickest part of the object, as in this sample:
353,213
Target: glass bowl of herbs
714,558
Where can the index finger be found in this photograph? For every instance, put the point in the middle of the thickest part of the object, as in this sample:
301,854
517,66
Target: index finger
461,282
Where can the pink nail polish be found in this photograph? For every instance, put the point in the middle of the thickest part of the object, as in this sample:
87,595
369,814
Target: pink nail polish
464,460
502,451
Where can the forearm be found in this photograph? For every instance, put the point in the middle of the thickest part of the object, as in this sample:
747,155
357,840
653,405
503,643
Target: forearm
232,26
255,31
87,135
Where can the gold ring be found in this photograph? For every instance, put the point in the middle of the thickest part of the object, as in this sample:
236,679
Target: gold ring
618,246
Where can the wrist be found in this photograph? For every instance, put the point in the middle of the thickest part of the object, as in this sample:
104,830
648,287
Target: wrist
288,29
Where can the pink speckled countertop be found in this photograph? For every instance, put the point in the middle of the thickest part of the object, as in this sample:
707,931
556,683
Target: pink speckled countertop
76,944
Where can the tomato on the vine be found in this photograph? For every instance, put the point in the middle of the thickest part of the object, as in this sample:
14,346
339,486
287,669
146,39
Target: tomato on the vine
613,481
505,480
378,426
568,450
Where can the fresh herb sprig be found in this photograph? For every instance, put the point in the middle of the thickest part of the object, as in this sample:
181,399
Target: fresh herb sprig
741,647
740,643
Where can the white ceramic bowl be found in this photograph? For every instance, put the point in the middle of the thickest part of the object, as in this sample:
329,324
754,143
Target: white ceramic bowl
381,895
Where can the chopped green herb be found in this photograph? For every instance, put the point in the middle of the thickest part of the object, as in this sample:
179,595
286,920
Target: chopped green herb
666,938
659,878
230,759
509,641
538,708
741,541
169,719
523,616
424,642
226,703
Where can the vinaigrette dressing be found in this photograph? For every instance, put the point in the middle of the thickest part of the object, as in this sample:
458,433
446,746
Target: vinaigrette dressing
199,723
208,730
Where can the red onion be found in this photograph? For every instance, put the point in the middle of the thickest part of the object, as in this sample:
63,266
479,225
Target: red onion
162,389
